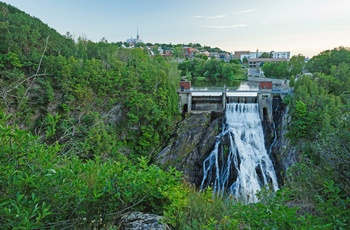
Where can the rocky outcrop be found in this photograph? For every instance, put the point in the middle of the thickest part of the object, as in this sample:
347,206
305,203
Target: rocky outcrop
283,153
191,143
141,221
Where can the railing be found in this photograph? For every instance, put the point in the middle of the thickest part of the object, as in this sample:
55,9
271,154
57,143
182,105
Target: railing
210,89
282,91
216,89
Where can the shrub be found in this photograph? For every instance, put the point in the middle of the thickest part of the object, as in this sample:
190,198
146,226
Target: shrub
40,188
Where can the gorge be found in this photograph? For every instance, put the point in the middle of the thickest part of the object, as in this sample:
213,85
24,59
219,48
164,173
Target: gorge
226,146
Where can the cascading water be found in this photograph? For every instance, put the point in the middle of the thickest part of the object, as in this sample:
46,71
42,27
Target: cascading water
239,164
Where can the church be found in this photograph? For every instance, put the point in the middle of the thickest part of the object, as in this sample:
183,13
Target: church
133,41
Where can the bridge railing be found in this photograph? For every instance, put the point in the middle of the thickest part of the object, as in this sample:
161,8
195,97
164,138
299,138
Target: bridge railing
212,89
233,89
218,89
241,90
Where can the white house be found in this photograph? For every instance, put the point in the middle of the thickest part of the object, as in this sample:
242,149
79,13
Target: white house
255,54
285,54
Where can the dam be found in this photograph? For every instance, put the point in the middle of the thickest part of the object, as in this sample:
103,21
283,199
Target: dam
267,93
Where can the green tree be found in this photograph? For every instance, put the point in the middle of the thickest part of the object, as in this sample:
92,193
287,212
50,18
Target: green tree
178,51
324,61
296,65
265,55
276,69
292,81
269,69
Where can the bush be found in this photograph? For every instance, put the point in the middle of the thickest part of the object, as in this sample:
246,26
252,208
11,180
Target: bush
40,188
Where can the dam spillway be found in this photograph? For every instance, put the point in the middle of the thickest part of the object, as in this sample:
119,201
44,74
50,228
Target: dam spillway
265,93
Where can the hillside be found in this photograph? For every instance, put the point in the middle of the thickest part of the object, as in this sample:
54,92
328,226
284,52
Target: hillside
73,87
78,107
26,37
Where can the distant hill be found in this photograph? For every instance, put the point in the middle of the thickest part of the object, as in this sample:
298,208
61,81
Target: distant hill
26,36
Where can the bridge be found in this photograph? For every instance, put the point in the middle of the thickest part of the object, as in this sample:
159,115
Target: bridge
267,93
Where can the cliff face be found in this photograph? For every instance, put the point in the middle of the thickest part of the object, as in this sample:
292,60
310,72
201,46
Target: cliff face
283,154
190,144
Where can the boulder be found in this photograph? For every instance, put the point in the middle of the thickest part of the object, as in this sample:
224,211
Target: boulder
141,221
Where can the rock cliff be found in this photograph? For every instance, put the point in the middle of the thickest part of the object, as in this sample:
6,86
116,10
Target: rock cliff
283,153
192,141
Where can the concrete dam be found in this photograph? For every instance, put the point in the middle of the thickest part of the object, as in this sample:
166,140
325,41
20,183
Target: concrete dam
268,93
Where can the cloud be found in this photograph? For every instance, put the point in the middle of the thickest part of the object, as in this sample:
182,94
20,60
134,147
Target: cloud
224,27
217,16
265,23
246,11
223,15
211,17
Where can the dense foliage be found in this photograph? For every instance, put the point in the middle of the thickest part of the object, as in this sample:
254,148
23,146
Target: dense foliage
25,37
275,69
80,88
320,128
78,119
295,66
42,189
211,71
328,58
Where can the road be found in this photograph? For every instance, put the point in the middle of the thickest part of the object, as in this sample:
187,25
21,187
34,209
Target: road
253,72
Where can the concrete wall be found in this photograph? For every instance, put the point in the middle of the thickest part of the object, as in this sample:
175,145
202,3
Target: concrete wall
218,103
207,107
265,106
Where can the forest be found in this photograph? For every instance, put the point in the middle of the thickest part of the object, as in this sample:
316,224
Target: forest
81,121
213,72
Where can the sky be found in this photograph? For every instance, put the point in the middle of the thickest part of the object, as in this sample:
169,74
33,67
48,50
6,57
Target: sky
305,27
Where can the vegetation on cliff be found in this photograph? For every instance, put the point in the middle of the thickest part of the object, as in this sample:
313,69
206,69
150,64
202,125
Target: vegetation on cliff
320,128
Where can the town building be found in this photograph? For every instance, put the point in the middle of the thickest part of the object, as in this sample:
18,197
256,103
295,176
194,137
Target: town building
238,54
281,54
133,41
204,53
190,52
254,55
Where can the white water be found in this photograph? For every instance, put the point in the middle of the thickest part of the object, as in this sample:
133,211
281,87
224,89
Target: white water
240,167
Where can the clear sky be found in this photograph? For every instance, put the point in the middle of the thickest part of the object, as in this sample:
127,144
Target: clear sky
300,26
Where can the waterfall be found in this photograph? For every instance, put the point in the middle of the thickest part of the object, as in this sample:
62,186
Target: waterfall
239,164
